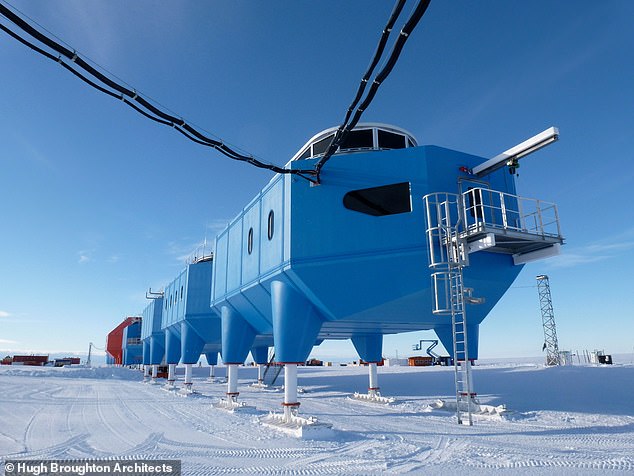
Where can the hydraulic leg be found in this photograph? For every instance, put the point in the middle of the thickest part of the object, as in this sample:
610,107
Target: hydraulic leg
373,389
188,378
171,375
232,382
291,405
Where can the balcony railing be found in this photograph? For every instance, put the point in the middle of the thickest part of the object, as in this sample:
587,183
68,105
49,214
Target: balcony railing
484,209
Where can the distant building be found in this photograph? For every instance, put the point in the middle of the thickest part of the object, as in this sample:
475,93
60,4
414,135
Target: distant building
67,361
35,360
420,361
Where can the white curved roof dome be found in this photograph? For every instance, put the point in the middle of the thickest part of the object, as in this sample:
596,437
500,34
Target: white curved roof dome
365,136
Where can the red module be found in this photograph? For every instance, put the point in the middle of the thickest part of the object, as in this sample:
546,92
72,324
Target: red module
114,341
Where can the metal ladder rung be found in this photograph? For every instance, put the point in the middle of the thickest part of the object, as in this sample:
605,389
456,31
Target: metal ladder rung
448,255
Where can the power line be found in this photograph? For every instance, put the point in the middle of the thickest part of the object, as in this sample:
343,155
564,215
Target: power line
406,31
119,89
131,97
398,7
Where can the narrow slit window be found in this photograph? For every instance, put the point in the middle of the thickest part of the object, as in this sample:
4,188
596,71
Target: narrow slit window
380,201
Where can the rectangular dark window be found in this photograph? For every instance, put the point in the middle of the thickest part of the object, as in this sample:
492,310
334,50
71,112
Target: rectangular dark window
358,140
321,146
390,140
380,201
305,155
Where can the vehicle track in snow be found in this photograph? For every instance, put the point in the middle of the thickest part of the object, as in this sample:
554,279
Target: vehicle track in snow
69,418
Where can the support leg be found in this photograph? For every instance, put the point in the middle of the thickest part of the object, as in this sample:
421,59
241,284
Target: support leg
373,389
290,421
260,374
171,375
154,373
188,377
291,405
232,382
374,394
212,372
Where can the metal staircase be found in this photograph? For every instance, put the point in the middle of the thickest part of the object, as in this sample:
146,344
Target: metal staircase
448,255
434,342
479,219
272,370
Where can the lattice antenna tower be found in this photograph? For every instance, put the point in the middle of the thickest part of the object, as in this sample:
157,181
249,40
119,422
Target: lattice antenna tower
548,321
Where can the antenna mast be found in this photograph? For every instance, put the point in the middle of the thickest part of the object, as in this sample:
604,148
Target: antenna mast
551,346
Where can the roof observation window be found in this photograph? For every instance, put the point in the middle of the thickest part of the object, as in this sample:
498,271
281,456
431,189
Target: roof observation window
365,136
305,154
380,201
390,140
358,139
321,146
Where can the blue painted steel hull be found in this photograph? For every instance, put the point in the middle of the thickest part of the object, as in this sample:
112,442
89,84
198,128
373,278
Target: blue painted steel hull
189,325
152,335
131,345
362,275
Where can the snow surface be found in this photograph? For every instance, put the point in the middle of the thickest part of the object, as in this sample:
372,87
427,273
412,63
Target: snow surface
565,420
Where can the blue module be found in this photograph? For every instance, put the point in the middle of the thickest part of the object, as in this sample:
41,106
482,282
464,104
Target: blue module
190,326
131,344
348,258
152,335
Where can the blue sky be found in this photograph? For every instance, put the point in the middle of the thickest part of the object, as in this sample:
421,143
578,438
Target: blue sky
97,203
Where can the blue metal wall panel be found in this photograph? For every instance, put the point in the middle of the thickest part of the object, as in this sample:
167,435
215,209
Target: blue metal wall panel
272,250
152,318
251,226
363,273
198,289
132,352
234,255
221,252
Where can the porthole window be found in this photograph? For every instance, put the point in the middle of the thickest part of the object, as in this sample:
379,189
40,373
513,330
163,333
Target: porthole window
380,201
250,241
271,225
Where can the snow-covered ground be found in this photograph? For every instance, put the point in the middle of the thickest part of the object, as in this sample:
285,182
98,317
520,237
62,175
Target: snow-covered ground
566,420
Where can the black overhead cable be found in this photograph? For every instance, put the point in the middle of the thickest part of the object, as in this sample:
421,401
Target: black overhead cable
345,129
147,109
364,81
